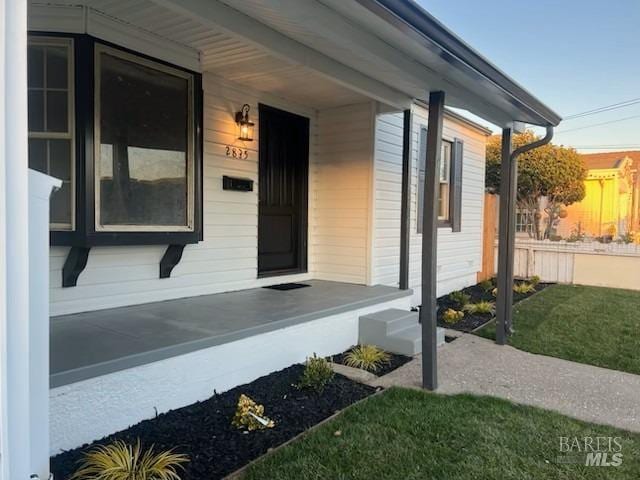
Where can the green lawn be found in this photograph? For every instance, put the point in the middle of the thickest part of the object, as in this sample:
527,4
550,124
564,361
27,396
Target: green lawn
410,435
598,326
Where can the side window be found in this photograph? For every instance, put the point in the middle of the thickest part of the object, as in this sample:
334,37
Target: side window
449,182
444,214
422,159
51,121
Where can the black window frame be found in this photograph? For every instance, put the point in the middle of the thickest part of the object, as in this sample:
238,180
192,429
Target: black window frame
454,220
85,233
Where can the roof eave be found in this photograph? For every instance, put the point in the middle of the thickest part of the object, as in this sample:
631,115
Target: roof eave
423,24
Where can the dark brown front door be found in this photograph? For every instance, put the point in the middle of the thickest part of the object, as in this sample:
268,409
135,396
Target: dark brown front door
282,186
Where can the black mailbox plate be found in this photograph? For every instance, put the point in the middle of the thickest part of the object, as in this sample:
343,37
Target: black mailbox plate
237,184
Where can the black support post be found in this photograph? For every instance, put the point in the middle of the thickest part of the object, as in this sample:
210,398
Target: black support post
428,311
405,202
507,232
506,238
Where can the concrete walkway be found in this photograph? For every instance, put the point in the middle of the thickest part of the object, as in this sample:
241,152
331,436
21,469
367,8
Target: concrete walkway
475,365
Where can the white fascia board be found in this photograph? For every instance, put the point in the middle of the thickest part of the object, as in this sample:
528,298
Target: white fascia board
220,16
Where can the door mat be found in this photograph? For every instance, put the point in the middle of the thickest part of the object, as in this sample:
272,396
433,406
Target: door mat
287,286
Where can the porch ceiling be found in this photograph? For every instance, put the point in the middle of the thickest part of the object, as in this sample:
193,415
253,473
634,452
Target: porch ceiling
324,53
376,38
227,55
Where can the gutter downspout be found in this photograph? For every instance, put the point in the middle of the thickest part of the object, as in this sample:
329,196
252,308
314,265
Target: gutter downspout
538,143
507,229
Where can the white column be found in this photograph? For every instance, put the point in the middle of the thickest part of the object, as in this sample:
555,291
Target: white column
40,187
14,285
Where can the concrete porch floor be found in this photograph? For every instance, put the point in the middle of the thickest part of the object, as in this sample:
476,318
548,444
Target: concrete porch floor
91,344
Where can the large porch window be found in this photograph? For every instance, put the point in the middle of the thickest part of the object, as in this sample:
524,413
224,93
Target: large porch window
123,133
144,155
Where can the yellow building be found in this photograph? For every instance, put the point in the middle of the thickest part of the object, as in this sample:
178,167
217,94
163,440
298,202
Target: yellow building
611,200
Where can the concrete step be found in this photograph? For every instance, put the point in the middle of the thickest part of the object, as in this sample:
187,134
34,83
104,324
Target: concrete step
395,330
388,321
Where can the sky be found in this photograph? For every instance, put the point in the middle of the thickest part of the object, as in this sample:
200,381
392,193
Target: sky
574,55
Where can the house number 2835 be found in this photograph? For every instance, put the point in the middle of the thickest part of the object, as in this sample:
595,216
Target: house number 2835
236,152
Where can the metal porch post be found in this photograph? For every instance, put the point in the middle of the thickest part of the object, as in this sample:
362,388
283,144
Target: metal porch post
405,217
506,238
428,312
507,233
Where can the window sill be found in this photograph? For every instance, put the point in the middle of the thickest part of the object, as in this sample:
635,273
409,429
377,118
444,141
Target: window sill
79,239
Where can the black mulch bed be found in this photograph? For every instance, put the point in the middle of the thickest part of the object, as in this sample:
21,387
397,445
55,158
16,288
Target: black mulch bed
396,361
204,432
471,322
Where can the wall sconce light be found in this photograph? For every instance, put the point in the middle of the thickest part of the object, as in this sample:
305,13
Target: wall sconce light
245,126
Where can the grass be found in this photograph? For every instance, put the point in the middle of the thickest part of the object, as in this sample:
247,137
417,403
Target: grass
410,435
593,325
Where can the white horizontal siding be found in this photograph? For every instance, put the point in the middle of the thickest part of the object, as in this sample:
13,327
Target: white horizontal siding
341,180
227,258
460,253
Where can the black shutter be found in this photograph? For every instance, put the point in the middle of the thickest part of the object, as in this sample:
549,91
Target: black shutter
422,158
455,211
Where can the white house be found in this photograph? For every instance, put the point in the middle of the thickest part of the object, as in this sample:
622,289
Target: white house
207,149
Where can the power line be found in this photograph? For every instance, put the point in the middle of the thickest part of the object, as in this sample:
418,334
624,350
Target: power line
606,108
617,145
604,147
599,124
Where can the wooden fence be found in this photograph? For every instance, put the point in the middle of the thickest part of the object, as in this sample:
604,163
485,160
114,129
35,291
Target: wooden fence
489,231
585,263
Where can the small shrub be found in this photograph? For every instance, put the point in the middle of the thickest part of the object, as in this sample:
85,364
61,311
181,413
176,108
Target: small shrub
459,298
577,235
486,285
480,307
120,461
367,357
535,280
452,316
627,238
250,415
317,374
523,287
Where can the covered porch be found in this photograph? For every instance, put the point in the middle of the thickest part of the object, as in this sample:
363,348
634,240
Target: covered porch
117,367
91,344
333,66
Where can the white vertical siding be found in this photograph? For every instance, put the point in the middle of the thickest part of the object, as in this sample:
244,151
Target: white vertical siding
226,259
341,190
460,253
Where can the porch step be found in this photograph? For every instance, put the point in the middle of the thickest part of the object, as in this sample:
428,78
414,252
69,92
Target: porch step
395,330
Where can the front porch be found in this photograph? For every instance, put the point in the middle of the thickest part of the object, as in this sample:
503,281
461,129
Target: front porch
91,344
138,108
131,363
